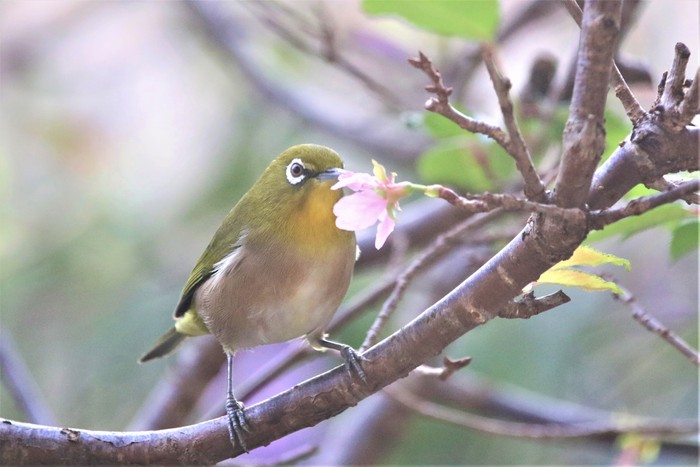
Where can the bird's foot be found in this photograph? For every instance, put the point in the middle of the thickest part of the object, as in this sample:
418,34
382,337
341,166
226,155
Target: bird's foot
353,362
237,423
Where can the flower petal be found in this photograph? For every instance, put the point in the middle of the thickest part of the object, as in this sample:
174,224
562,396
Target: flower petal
379,172
355,181
384,229
358,210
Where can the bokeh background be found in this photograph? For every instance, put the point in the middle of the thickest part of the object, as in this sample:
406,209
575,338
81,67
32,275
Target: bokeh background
127,133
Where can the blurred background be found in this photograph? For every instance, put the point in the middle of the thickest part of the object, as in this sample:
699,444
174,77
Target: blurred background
129,129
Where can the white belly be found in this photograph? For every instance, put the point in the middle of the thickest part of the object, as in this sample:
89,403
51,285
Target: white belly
262,298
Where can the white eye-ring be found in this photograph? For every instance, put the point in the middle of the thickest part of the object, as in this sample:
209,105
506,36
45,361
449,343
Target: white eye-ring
296,171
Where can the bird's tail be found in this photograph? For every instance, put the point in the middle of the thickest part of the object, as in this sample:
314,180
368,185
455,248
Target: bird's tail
166,344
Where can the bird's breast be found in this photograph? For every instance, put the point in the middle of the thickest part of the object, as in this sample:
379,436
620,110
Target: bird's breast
274,294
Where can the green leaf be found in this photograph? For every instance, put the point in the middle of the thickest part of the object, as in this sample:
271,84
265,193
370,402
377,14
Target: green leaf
440,127
465,163
587,256
581,279
684,239
667,215
452,163
473,19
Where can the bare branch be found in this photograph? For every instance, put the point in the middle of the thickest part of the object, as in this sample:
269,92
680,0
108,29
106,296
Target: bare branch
225,32
673,104
672,94
442,106
485,202
584,135
449,367
633,109
599,219
655,326
529,305
534,188
536,431
665,185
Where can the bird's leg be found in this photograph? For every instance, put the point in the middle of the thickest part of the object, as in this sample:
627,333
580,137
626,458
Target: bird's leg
237,423
351,357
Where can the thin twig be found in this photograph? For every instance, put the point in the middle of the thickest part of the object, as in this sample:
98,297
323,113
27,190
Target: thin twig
655,326
449,367
485,202
441,103
674,84
437,249
326,48
665,185
529,306
599,219
531,430
533,187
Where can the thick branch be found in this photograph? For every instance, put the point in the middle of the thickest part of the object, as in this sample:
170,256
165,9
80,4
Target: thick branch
584,135
634,111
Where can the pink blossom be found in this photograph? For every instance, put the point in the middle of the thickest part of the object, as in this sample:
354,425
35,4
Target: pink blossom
376,199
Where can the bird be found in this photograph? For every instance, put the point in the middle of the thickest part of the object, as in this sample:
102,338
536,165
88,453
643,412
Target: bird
276,269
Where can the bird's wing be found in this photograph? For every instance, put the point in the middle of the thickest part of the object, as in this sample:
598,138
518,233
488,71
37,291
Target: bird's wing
226,242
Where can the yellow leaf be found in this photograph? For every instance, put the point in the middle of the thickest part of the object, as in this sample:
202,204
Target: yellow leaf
574,278
587,256
647,449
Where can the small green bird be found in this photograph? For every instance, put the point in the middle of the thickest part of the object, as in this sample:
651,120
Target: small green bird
276,269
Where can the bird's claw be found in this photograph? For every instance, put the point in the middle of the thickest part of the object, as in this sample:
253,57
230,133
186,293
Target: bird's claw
353,362
237,423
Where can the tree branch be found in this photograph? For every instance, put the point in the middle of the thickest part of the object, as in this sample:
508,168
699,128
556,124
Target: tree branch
533,187
584,135
494,426
441,103
545,240
633,109
225,32
655,326
529,305
599,219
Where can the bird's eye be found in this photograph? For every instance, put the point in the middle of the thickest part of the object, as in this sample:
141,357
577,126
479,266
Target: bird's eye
295,171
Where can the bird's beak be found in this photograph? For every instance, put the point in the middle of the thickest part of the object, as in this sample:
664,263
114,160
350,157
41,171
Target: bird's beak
330,175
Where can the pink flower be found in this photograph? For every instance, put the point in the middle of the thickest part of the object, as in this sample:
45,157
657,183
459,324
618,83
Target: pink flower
376,199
